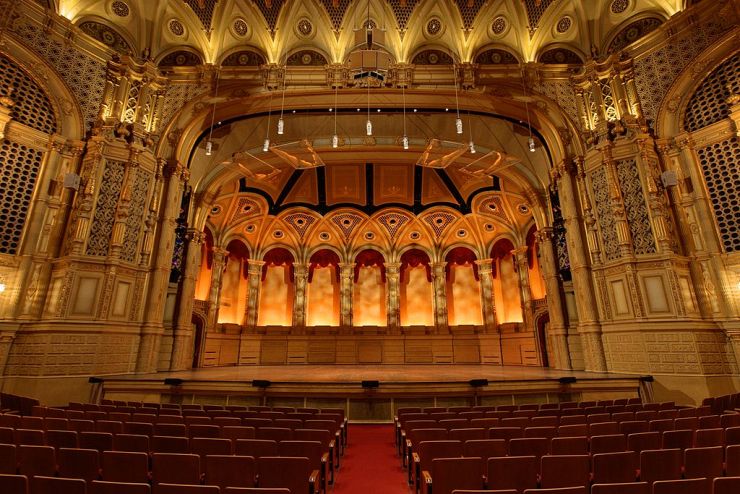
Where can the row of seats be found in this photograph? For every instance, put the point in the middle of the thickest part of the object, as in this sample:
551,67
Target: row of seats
719,404
724,485
117,466
519,473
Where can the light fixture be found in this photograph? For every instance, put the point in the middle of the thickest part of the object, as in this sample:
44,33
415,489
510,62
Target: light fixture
369,124
471,144
209,142
335,137
458,120
281,122
471,147
405,139
266,143
530,141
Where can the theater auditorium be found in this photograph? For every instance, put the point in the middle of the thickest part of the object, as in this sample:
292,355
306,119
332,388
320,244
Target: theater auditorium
369,246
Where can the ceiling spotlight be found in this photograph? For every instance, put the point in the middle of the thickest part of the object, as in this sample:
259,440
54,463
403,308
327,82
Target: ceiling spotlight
471,147
331,109
335,141
531,144
405,142
358,109
281,126
447,109
414,110
378,110
369,127
266,145
293,112
209,148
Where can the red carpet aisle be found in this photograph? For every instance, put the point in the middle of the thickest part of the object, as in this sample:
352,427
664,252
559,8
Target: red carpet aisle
370,464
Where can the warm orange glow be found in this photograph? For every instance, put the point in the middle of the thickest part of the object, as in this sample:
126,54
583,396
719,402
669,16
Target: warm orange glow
536,280
369,305
276,298
203,283
416,298
463,297
323,298
234,289
507,292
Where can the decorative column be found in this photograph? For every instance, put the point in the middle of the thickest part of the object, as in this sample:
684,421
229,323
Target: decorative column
347,275
214,294
300,280
393,296
616,203
254,268
182,341
588,324
151,333
439,279
485,272
557,344
520,255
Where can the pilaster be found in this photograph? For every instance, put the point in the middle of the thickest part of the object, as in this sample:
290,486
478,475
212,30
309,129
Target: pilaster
347,274
439,281
254,268
182,344
393,296
300,275
485,273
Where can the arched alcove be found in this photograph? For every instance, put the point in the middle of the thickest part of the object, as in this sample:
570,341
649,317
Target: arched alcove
234,284
416,298
323,289
369,295
463,288
277,289
506,294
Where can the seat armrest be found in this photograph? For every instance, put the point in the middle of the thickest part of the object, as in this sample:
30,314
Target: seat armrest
313,483
427,482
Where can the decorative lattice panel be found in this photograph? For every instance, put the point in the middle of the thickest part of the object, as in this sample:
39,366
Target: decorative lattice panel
469,10
176,97
300,222
641,232
403,10
204,10
656,72
720,164
31,105
709,103
347,222
306,58
84,75
244,209
559,239
439,222
535,10
393,222
270,11
136,212
336,10
560,55
562,92
107,36
494,206
246,58
607,97
105,210
432,57
181,58
494,57
604,214
19,169
633,32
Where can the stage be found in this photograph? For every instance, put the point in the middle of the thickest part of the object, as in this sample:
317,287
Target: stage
396,386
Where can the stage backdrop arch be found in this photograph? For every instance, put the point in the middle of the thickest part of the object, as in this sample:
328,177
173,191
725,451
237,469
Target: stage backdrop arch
277,288
369,294
417,306
323,289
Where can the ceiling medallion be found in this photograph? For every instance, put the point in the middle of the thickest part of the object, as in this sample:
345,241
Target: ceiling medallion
619,6
304,27
489,227
434,27
240,27
523,209
278,234
176,27
324,236
564,24
499,25
462,233
369,236
120,8
369,24
414,235
249,229
216,210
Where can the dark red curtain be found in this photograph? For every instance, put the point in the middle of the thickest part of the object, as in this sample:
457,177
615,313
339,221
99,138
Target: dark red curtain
322,259
500,249
238,251
278,257
369,258
461,256
413,258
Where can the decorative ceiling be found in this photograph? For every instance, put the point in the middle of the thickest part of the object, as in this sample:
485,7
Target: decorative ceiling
551,31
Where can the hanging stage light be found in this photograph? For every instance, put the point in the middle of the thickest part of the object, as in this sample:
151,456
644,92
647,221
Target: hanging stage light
531,144
209,142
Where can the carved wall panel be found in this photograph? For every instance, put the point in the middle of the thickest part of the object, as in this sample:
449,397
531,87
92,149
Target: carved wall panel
177,96
19,169
720,165
84,74
641,232
560,91
106,35
135,219
31,106
105,210
604,214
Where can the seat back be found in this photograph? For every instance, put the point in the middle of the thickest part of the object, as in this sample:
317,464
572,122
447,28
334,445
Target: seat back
732,461
569,445
726,485
575,430
29,437
140,428
603,428
186,489
612,468
449,474
709,437
61,439
703,462
529,446
467,434
660,464
505,433
203,430
102,441
55,485
13,484
204,446
431,450
624,488
644,440
237,432
611,443
313,450
230,471
125,466
512,472
8,459
36,460
485,449
288,472
102,487
683,486
565,471
274,433
169,444
78,463
174,468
